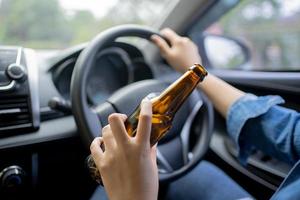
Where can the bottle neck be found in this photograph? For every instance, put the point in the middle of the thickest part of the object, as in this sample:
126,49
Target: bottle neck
170,100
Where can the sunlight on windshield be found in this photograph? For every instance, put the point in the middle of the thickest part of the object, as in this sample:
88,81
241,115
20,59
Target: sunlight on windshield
57,24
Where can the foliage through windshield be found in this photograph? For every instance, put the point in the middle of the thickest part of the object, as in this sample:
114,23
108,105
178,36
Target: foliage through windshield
57,24
269,28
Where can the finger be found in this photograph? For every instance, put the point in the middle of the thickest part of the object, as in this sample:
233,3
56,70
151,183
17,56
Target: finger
117,126
123,116
144,124
153,152
105,128
170,35
161,44
96,150
108,138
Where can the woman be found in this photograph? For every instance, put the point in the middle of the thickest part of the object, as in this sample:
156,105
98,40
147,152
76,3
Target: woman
128,165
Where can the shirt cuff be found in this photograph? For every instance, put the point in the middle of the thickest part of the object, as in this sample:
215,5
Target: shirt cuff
247,107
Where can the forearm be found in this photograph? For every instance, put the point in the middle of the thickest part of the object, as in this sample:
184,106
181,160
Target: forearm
221,94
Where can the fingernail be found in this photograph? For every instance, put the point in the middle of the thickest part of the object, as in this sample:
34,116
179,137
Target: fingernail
146,100
166,29
124,116
146,106
154,37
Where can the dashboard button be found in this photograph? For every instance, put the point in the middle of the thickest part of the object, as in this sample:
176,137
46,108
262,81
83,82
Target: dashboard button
15,71
12,178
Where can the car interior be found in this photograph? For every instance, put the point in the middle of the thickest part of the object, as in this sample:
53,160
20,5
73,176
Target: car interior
54,101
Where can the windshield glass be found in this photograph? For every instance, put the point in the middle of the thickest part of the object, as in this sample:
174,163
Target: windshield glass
57,24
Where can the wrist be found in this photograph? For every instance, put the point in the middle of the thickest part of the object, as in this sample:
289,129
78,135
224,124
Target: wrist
205,83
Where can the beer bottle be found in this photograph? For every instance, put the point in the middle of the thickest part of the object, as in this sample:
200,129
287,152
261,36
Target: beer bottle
164,107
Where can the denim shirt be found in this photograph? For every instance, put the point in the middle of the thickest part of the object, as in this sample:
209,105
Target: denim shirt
258,122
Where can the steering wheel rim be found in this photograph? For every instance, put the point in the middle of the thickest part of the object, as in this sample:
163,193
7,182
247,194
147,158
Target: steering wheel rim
88,120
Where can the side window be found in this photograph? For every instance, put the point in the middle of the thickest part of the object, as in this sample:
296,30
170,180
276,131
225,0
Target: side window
270,30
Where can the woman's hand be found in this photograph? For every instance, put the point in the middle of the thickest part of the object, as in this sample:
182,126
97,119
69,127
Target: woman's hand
128,165
183,52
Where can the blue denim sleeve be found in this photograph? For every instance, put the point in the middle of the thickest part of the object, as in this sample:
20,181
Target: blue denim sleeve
258,122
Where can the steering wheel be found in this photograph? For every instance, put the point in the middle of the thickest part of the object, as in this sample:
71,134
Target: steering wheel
187,141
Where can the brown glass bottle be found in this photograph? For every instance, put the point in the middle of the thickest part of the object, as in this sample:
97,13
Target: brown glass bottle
164,107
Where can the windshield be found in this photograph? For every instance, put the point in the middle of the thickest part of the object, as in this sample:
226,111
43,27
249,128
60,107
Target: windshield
57,24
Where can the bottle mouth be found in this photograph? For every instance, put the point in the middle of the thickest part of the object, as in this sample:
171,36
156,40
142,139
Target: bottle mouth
199,70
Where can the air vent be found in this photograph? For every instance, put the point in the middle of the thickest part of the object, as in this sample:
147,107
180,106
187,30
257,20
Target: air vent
14,114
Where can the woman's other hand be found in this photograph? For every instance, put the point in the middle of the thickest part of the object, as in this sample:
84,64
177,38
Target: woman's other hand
182,53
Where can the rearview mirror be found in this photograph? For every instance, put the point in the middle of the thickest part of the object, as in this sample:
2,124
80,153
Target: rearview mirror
225,53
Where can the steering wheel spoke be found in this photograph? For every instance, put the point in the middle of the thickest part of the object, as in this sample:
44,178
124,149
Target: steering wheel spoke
103,111
162,163
186,131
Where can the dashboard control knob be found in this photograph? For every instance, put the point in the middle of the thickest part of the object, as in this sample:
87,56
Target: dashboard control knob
12,178
16,72
60,104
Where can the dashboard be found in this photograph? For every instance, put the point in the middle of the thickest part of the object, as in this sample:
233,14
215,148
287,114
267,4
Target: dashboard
115,67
